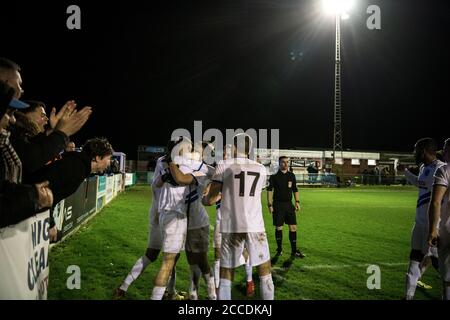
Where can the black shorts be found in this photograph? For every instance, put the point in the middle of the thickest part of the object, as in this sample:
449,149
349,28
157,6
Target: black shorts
284,213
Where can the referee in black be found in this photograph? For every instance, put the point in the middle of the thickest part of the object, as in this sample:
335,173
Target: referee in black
279,199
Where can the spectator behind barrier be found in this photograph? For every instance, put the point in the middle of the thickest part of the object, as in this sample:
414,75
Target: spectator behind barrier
36,114
36,151
17,201
66,175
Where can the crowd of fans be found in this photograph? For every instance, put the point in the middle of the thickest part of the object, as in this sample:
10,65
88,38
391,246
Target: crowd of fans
39,164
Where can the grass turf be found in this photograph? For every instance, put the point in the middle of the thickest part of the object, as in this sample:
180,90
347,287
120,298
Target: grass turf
341,231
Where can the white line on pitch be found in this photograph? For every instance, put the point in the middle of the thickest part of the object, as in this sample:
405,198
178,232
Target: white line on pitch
361,265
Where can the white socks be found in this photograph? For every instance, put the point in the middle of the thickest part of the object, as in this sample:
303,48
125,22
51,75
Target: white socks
249,271
266,286
217,273
135,272
412,277
225,289
158,293
210,285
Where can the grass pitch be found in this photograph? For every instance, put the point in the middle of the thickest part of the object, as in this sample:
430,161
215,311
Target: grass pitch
341,231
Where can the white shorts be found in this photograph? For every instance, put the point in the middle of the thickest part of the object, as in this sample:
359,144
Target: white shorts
217,235
155,236
419,240
197,240
173,226
444,258
233,246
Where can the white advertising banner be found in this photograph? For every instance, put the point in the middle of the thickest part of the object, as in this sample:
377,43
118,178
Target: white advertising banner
109,188
24,259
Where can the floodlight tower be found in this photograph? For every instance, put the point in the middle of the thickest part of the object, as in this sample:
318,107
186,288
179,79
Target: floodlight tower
338,8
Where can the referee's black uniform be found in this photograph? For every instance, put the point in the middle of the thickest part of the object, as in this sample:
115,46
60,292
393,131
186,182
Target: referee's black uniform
284,185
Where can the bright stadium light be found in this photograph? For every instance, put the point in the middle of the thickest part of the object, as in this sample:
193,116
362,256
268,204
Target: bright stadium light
338,7
340,10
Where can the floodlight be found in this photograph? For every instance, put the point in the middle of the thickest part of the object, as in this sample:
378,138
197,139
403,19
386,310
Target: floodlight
338,7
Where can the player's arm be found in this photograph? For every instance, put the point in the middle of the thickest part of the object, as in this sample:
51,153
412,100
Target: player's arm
434,211
213,194
205,193
159,182
270,195
179,177
411,178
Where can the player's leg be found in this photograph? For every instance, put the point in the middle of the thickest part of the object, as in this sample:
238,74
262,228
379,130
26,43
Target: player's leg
266,282
414,273
195,273
151,254
231,251
163,275
446,290
444,265
202,261
138,267
173,230
424,264
217,267
226,279
250,285
171,290
259,255
216,246
415,258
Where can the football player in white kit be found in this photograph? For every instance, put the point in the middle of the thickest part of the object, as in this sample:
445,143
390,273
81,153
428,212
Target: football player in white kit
240,181
196,174
154,241
425,155
172,219
250,285
439,215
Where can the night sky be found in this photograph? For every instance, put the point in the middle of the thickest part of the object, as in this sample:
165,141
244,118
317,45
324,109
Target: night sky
148,68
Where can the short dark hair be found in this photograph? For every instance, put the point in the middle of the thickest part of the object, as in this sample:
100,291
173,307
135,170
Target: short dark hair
7,65
34,104
427,144
247,142
282,157
98,147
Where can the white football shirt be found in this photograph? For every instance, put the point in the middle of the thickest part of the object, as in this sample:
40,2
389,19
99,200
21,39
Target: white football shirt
424,181
242,182
198,217
442,177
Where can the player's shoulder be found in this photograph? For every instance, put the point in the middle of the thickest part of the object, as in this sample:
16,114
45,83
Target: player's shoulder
443,170
439,163
208,169
258,166
160,160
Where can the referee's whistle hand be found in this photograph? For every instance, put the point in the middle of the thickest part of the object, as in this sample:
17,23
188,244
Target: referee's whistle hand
271,210
297,207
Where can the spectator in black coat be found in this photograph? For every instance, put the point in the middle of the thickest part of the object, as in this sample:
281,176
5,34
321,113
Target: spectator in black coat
66,175
36,151
17,201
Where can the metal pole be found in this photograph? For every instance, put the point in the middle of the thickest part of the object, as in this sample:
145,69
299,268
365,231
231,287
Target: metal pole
337,134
